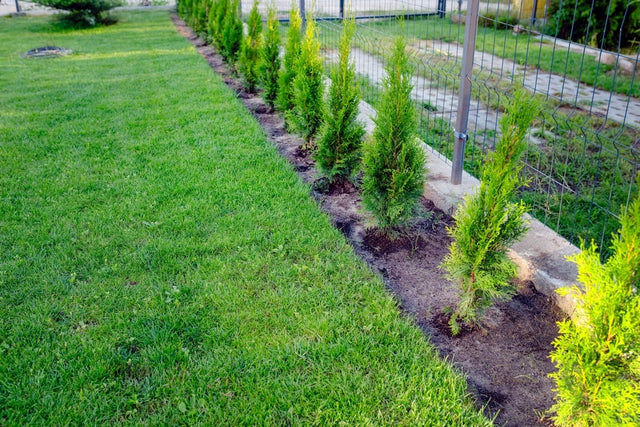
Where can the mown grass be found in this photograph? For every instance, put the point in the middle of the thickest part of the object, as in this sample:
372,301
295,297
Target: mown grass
161,264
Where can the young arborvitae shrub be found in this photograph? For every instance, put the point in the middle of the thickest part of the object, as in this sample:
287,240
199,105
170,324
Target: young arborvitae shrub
216,21
339,147
598,353
393,162
270,55
182,6
488,222
307,114
200,17
232,33
83,13
284,101
251,46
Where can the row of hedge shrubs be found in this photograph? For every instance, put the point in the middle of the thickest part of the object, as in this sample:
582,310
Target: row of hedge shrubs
392,162
598,358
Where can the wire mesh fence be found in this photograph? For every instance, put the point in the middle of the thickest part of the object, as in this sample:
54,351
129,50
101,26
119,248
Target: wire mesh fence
584,149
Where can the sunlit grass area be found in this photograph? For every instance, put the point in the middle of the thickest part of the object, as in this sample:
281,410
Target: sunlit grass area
161,264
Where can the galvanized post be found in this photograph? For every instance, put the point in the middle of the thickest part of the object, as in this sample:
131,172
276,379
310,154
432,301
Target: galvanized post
533,13
442,8
464,95
303,15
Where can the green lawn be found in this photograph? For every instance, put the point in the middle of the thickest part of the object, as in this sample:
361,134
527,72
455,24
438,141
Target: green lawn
161,264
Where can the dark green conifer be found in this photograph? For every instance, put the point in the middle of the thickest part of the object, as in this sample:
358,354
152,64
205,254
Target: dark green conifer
271,57
393,160
284,101
251,46
339,147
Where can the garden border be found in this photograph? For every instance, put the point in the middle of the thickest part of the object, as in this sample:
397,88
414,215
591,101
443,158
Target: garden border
541,255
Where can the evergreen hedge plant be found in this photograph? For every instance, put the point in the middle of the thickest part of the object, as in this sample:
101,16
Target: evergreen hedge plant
339,147
232,32
488,222
251,47
598,353
393,161
83,13
284,100
307,114
270,55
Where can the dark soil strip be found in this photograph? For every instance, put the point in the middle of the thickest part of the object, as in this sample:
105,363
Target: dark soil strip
507,364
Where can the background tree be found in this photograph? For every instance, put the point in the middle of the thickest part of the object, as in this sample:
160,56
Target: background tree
271,57
602,23
339,147
284,101
488,222
307,114
251,47
393,161
598,354
83,13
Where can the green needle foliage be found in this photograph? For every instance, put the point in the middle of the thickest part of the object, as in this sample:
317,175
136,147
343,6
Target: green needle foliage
393,161
216,21
598,354
232,33
83,13
251,47
308,88
488,222
270,54
339,147
284,101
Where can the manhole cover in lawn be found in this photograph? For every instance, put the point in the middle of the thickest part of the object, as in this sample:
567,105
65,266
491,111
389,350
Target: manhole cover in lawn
46,52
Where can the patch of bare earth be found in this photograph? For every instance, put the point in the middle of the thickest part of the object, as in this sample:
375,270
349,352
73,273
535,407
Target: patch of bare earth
507,364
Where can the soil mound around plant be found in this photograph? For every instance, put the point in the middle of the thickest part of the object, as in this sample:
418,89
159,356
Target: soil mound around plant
506,362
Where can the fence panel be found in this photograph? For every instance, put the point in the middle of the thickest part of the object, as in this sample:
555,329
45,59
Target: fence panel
584,149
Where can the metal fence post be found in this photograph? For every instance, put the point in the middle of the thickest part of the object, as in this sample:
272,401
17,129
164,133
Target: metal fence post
303,15
442,8
341,10
464,94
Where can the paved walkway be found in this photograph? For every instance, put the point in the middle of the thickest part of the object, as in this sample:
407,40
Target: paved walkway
616,107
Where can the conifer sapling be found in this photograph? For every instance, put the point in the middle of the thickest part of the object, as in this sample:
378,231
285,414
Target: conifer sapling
307,114
393,160
251,47
284,101
216,21
271,57
338,151
488,222
232,33
598,353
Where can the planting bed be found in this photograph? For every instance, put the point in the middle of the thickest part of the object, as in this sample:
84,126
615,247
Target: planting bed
506,364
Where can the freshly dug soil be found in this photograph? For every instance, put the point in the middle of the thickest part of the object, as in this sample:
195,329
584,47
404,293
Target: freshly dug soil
507,363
